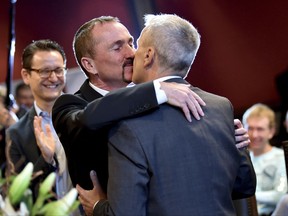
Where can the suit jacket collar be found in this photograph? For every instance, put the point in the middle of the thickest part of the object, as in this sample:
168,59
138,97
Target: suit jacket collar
177,80
88,93
32,113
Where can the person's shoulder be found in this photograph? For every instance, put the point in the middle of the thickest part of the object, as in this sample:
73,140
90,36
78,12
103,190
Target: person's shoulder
65,99
208,96
277,150
23,125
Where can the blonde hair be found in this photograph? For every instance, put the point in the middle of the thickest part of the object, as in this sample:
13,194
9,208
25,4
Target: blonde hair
260,110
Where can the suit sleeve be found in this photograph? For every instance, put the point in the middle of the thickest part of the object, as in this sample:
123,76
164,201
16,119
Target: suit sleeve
245,183
128,175
73,112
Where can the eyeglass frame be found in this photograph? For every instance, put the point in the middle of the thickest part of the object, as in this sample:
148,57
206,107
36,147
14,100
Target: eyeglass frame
49,72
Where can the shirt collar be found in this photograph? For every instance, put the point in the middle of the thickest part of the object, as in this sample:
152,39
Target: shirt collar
104,92
161,79
38,110
99,90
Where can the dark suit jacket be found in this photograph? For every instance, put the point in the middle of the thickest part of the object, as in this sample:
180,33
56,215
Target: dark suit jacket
24,148
160,164
83,126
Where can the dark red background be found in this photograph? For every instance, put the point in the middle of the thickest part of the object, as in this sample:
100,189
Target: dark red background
244,43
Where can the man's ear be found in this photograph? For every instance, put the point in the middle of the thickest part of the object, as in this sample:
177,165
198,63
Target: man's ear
25,76
149,57
88,64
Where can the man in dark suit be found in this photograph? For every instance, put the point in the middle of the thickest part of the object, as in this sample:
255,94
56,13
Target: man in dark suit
44,70
104,50
161,164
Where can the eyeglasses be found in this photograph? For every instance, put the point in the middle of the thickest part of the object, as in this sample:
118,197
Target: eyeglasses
45,73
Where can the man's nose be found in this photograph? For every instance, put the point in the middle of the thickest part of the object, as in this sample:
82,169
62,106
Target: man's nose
53,76
254,133
130,52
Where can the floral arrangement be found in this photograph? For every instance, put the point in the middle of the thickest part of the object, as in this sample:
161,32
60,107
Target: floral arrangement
19,202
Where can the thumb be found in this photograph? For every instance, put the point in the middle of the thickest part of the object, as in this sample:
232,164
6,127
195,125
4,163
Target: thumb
237,123
94,179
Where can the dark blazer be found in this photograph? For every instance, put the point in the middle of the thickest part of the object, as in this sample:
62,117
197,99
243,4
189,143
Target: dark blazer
160,164
24,148
83,120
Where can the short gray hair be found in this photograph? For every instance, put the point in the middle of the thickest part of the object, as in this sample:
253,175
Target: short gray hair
175,39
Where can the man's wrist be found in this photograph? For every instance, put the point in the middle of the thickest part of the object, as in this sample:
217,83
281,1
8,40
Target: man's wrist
95,204
53,163
160,93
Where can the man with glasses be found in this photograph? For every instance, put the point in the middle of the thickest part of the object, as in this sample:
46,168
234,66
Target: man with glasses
44,70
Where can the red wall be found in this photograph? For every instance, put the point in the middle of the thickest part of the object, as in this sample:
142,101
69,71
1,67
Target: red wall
244,43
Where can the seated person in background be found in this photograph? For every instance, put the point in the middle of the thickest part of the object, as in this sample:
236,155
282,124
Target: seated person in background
7,118
282,207
268,161
161,164
24,98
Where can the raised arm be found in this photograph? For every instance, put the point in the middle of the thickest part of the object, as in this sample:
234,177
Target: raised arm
75,112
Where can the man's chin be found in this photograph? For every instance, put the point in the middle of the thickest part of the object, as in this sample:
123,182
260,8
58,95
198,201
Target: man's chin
127,77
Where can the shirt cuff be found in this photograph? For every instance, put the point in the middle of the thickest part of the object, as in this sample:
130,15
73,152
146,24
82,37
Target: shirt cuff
160,94
95,204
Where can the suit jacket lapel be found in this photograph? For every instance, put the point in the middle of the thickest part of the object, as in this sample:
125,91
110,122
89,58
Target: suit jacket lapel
32,142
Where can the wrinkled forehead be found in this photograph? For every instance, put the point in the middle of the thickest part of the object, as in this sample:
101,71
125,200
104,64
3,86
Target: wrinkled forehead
110,32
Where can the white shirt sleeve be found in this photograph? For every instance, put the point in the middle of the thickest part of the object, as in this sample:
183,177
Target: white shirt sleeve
160,94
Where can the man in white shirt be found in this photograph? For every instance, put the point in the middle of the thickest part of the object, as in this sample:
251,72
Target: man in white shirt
268,161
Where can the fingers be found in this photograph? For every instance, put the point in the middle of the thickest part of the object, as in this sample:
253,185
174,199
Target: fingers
240,132
81,193
243,144
80,190
194,108
198,98
37,129
94,179
48,131
45,142
187,113
194,103
241,135
237,123
180,95
37,123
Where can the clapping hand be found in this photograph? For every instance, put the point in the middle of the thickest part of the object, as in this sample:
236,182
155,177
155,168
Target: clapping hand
45,141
